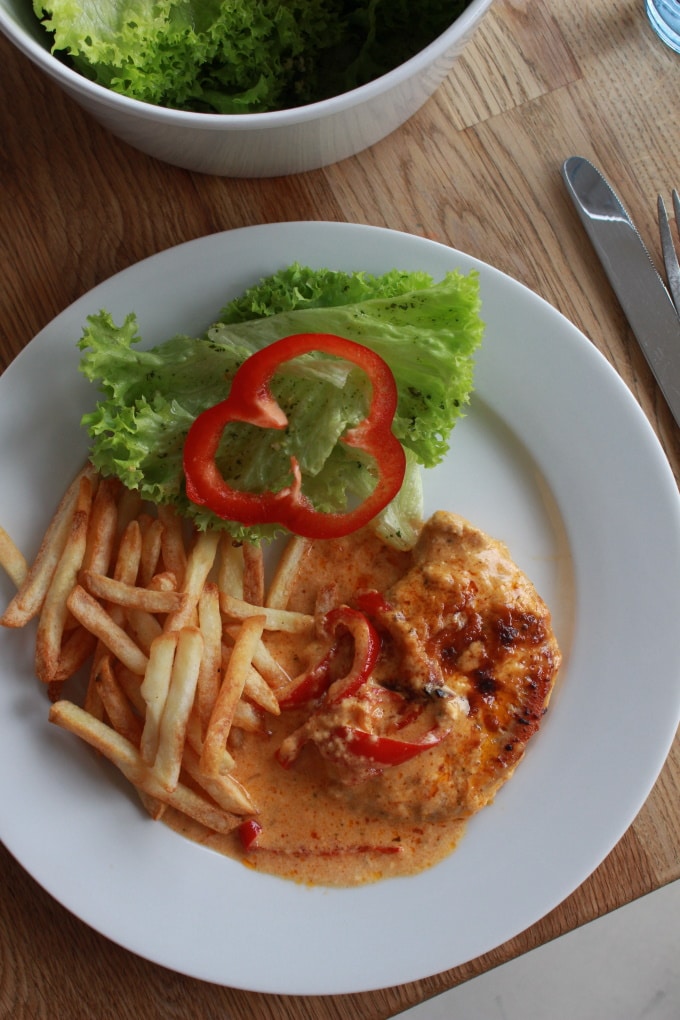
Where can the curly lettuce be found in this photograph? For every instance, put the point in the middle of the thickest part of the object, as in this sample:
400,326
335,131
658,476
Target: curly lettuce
426,331
238,56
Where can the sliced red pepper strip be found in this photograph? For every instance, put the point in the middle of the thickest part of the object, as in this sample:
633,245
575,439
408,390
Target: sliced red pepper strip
366,651
250,400
318,679
387,750
310,685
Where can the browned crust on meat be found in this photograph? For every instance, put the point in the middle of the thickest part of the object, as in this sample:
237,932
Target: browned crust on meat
466,620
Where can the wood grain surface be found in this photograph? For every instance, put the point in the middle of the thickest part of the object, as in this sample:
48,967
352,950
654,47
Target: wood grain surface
478,167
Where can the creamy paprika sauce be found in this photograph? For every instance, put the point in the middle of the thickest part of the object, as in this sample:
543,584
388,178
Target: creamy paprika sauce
380,781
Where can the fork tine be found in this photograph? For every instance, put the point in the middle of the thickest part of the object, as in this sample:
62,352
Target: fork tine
670,257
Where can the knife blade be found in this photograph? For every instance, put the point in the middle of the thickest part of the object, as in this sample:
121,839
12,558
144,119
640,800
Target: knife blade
637,284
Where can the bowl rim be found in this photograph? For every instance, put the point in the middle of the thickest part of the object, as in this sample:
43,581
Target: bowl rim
73,81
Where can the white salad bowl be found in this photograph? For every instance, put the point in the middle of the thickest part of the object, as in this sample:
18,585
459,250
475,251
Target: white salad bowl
256,144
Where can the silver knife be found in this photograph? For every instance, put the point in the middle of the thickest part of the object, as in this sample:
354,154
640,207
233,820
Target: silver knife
631,272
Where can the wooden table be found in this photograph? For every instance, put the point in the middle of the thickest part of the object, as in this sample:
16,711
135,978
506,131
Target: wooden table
478,168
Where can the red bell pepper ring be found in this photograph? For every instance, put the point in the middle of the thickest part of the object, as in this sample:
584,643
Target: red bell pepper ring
386,750
250,400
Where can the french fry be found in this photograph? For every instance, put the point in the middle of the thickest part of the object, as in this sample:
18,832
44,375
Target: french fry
53,613
130,683
125,570
258,690
127,758
129,554
225,790
274,619
102,528
95,618
144,628
269,667
154,690
230,569
92,703
199,564
246,717
172,542
117,707
195,741
101,736
255,686
28,601
253,573
152,543
152,805
165,580
75,652
177,707
130,596
12,560
285,574
190,803
229,695
210,624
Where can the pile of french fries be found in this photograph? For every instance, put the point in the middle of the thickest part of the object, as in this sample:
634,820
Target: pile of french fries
166,627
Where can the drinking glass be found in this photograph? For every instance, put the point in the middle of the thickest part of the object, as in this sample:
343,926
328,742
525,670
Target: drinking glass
664,17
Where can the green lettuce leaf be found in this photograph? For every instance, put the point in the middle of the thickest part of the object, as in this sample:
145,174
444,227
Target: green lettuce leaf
238,56
426,331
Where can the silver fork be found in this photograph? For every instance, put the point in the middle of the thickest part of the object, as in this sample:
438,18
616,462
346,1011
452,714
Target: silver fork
670,257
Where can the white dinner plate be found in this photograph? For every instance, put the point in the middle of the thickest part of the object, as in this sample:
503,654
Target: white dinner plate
554,457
